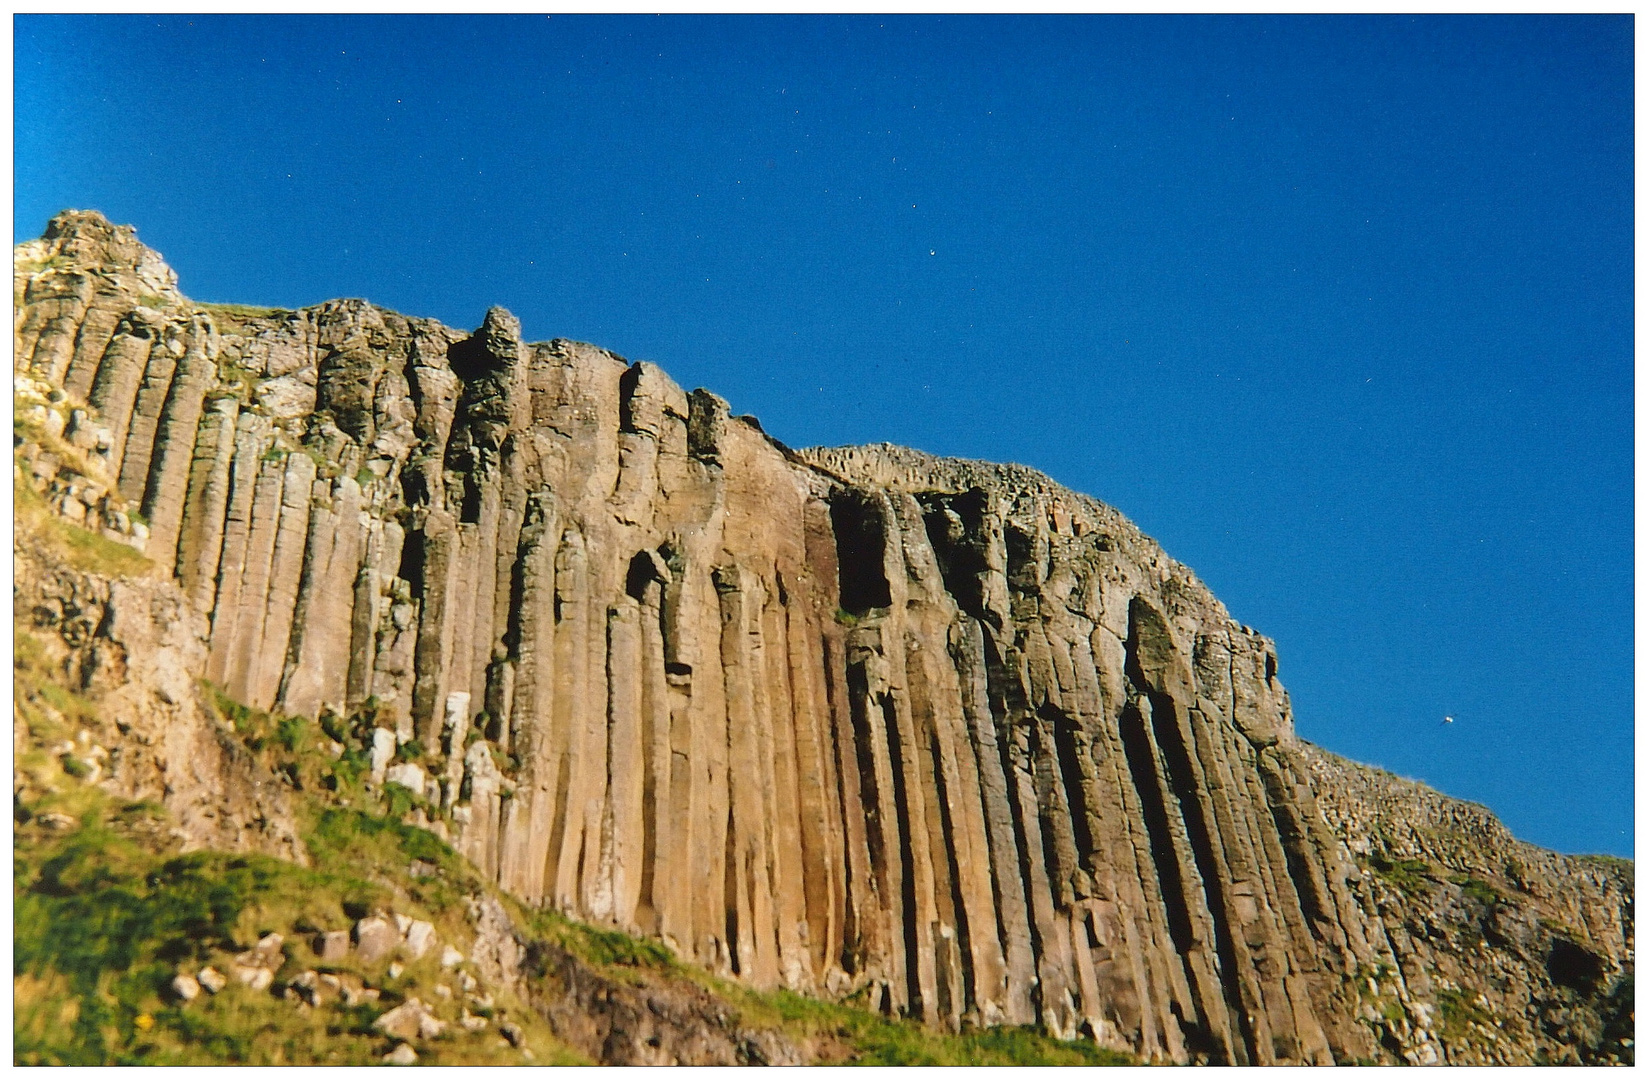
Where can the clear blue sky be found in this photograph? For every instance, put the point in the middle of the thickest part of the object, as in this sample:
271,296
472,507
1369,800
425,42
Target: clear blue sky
1339,310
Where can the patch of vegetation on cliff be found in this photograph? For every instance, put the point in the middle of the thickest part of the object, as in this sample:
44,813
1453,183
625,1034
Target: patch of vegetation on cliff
30,267
328,759
1411,876
1459,1012
1612,863
108,910
878,1040
242,311
1477,889
80,548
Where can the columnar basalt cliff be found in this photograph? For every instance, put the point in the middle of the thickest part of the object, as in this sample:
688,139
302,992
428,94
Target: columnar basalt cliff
853,720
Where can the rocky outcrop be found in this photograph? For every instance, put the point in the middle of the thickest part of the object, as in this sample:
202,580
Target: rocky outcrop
849,721
136,647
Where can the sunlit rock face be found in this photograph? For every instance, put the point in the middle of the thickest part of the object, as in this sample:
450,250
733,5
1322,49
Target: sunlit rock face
938,733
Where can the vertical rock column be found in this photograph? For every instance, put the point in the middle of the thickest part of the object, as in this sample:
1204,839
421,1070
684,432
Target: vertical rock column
623,827
1015,1000
245,640
175,442
285,569
317,668
748,903
110,302
821,848
436,544
134,456
56,301
579,713
525,852
114,391
252,438
206,503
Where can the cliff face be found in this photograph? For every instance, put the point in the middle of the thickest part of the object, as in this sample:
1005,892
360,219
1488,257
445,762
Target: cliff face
842,720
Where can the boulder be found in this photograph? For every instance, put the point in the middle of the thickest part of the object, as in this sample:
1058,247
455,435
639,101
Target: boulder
383,751
375,938
351,988
307,987
332,945
401,1055
410,1019
408,775
258,978
420,938
211,979
185,987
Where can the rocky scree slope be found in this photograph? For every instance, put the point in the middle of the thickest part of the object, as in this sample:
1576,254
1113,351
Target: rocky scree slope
941,734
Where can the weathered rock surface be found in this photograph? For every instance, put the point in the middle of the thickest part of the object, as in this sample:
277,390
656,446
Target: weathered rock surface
137,647
840,720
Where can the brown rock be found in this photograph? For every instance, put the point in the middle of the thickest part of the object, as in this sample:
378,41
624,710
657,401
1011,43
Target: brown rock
409,1020
375,938
185,988
332,945
401,1055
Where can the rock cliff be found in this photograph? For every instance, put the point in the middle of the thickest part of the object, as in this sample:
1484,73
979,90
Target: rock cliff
849,721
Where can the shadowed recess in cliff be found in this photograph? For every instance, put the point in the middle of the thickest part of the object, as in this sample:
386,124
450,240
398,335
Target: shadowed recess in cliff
1064,730
861,540
955,528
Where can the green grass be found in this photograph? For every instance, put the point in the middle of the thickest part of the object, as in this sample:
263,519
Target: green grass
878,1040
80,548
107,913
1411,876
1610,862
864,1037
242,311
1478,890
37,266
599,947
1459,1010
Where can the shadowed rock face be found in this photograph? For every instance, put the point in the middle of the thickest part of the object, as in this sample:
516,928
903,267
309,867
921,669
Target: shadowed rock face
855,719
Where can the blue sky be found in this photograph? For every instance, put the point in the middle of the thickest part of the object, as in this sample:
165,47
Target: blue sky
1337,309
